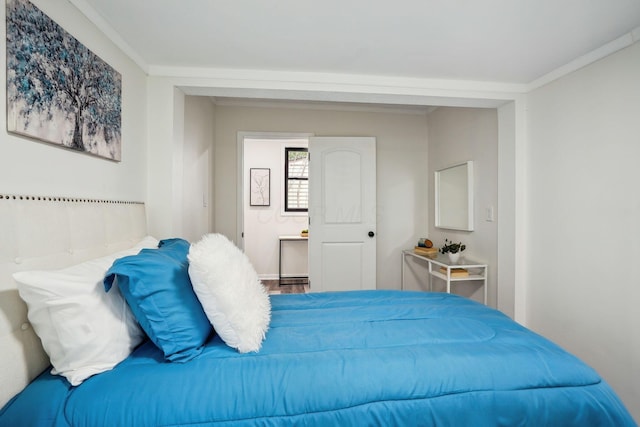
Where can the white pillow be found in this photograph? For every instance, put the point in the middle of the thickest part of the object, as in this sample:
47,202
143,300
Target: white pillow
234,300
83,329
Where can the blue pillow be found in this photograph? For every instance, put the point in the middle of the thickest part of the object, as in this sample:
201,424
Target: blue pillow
156,285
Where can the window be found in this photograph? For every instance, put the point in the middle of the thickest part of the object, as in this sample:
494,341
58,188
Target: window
296,179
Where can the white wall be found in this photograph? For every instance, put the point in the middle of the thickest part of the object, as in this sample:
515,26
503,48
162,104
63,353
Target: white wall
401,164
163,119
263,224
197,196
457,135
583,213
34,168
509,271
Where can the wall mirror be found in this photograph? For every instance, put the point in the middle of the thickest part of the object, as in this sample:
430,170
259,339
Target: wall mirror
454,197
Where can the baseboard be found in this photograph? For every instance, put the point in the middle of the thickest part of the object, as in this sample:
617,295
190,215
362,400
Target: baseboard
284,276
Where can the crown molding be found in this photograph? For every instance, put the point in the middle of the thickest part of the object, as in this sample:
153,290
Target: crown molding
595,55
97,20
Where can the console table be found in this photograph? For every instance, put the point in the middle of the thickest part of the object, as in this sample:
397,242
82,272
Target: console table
301,279
476,271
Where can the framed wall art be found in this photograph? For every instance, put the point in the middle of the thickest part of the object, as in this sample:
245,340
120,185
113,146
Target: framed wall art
58,91
259,186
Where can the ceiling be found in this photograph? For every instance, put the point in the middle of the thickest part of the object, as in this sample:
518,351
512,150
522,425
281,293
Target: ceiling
507,41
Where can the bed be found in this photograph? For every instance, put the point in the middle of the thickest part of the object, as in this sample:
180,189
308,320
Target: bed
347,358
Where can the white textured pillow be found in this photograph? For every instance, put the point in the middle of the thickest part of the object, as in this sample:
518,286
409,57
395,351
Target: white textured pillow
83,329
234,300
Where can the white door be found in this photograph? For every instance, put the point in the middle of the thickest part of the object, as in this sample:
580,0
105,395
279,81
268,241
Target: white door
342,213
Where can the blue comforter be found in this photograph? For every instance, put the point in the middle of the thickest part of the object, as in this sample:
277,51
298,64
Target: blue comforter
363,358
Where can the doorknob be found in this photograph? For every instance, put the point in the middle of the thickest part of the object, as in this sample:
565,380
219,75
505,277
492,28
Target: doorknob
371,234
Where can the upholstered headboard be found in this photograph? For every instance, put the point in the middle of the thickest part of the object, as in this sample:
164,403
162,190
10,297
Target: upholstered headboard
49,233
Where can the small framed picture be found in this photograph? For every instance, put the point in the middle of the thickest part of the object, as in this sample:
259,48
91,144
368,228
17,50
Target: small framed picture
259,186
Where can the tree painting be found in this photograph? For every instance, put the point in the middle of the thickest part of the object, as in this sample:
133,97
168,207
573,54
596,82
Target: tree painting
59,91
260,187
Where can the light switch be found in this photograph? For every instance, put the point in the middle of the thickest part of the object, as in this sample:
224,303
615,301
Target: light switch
490,214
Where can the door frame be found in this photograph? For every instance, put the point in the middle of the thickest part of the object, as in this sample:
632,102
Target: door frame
240,137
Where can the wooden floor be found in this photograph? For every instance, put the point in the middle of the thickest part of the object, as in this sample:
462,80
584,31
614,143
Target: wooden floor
275,287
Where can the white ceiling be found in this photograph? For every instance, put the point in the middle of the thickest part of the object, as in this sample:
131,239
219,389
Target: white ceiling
507,41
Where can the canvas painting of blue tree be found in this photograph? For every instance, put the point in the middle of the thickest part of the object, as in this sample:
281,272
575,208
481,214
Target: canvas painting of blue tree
58,91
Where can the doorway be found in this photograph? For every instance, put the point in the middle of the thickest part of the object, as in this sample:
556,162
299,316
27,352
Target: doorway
262,217
271,231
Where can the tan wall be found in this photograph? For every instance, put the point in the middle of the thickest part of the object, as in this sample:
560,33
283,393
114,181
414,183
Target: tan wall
197,197
401,168
457,135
